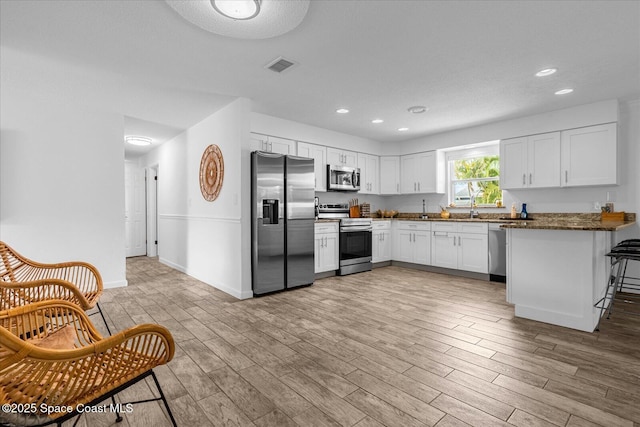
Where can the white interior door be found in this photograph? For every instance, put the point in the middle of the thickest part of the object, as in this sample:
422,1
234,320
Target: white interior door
134,210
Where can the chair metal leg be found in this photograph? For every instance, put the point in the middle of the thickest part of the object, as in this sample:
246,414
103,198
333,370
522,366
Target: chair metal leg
621,264
115,405
164,399
611,288
103,318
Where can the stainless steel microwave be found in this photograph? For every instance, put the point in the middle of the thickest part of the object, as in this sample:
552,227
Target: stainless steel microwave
343,178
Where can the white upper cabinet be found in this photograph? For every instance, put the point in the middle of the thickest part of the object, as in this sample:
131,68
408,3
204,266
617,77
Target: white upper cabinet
369,182
530,161
421,173
319,155
342,157
389,175
272,144
589,156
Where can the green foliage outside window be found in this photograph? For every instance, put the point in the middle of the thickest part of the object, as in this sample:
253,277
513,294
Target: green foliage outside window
472,177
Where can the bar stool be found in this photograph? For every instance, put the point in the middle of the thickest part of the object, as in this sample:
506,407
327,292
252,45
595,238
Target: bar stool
621,254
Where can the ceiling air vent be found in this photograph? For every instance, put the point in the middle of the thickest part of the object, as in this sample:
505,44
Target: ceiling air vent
279,65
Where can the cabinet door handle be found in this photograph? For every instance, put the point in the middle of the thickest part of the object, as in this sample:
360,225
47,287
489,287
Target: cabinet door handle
414,186
530,178
566,176
459,241
454,240
397,188
524,178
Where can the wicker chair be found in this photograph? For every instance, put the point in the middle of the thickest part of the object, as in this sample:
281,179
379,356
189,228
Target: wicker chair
52,357
23,281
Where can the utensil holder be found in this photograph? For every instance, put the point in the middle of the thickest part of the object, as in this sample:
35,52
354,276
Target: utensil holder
354,212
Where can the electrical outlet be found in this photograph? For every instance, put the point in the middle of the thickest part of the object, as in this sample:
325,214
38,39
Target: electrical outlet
596,206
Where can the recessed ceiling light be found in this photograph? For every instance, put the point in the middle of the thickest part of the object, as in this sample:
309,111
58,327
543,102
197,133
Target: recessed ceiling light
138,140
546,72
403,129
417,109
564,91
376,121
239,10
342,111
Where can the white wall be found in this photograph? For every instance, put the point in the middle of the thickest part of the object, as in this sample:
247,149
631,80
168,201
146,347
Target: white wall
62,181
207,240
625,195
274,126
269,125
540,200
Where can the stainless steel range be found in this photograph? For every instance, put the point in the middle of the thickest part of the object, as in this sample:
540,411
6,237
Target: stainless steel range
355,245
355,238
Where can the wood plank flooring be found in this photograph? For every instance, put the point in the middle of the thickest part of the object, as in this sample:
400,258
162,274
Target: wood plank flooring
391,347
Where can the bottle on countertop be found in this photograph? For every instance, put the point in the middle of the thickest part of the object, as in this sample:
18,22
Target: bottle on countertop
514,213
523,213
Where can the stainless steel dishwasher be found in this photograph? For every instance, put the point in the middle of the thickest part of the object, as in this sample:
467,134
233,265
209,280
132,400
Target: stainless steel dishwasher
497,253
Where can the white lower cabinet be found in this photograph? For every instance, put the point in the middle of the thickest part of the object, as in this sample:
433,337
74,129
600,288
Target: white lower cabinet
381,241
326,247
412,242
460,246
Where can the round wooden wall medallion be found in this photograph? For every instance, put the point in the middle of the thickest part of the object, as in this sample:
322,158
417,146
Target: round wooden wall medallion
211,172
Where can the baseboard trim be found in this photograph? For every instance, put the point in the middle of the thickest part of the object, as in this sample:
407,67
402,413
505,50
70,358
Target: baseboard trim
115,284
226,289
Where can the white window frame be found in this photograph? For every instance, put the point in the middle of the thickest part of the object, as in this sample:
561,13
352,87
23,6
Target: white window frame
491,148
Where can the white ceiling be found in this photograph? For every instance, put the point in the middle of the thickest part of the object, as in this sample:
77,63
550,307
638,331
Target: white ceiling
469,62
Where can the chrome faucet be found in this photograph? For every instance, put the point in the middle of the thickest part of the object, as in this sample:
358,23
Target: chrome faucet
424,210
474,211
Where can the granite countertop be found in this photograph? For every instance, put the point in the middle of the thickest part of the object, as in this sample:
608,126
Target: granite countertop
540,221
570,225
327,220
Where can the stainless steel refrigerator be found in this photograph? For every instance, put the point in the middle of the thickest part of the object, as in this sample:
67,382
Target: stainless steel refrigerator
282,233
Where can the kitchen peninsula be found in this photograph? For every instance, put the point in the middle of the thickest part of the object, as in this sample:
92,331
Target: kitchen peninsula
557,269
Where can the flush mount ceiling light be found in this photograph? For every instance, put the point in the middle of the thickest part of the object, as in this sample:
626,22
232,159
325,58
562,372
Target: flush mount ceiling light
546,72
342,111
403,129
564,91
377,121
243,19
138,140
417,109
237,9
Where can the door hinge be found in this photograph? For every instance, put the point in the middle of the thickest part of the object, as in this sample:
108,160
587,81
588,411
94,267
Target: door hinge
156,242
155,177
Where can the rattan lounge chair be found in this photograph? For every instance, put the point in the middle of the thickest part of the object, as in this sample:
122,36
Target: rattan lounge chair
23,281
51,356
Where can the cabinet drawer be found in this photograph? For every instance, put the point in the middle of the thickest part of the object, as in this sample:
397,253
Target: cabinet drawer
327,227
444,226
414,225
473,227
381,225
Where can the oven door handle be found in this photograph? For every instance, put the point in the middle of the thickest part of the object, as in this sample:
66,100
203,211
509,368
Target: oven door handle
355,229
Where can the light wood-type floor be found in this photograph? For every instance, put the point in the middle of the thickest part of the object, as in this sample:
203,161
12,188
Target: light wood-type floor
393,347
